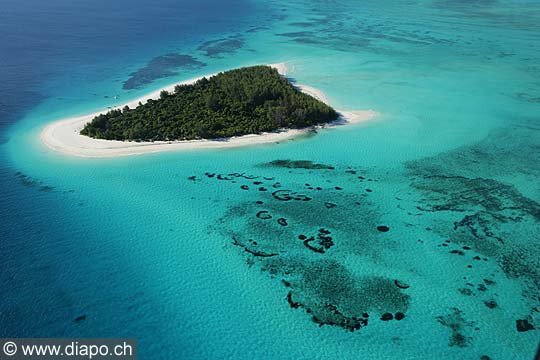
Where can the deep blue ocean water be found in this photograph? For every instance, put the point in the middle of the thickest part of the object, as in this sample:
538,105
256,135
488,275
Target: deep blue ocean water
451,165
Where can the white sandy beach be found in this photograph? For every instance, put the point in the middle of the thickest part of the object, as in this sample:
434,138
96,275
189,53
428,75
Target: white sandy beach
63,135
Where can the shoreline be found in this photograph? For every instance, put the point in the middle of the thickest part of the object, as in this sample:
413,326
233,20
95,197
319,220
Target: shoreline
63,135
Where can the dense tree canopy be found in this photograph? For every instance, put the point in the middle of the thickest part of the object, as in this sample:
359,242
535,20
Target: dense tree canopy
238,102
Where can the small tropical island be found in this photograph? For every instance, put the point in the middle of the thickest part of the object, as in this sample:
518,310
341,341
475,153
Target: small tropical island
249,106
249,100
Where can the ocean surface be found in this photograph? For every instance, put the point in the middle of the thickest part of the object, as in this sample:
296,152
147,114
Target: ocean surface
430,213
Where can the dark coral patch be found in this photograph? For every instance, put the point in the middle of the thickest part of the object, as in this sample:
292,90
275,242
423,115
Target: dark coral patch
30,182
80,318
265,215
161,67
287,195
321,243
523,325
223,177
458,325
299,164
255,253
334,296
466,291
307,243
319,284
216,48
401,284
490,210
293,304
242,175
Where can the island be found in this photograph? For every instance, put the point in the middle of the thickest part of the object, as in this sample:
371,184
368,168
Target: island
272,122
249,100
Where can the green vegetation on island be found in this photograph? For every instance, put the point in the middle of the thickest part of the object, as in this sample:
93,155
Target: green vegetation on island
244,101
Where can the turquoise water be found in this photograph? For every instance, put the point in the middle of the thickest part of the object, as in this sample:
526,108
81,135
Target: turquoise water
450,166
